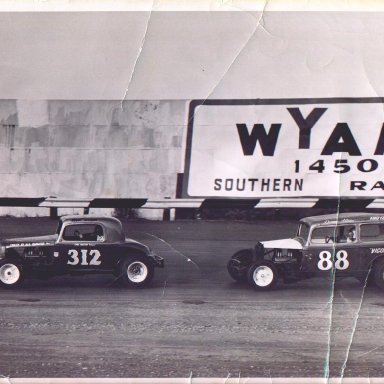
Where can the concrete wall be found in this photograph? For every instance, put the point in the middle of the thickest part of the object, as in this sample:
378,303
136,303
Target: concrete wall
85,149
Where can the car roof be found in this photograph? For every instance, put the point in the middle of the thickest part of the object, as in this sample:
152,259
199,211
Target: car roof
109,219
343,218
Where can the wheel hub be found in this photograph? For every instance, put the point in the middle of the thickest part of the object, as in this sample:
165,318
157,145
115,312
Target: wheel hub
137,271
9,274
263,276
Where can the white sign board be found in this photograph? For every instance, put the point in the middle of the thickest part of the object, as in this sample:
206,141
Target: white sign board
285,148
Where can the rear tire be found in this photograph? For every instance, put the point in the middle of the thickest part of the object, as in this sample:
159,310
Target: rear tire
368,279
238,265
263,275
136,272
11,274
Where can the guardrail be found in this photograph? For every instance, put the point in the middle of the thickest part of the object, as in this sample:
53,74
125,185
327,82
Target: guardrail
172,203
168,203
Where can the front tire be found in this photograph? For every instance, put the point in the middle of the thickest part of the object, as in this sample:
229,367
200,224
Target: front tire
238,265
11,274
263,275
136,272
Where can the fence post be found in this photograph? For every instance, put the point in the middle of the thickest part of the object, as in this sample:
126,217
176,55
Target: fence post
53,213
167,212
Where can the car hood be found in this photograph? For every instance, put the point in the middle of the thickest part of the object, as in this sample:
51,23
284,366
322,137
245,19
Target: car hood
283,244
32,240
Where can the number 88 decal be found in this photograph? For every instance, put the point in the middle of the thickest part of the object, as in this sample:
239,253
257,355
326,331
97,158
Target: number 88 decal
325,262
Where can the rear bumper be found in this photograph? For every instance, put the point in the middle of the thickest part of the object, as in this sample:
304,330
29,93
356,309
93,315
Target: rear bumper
158,261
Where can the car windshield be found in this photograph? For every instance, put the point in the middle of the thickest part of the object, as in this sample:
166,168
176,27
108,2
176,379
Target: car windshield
303,231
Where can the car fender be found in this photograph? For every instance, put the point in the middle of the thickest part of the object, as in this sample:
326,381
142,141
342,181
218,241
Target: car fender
13,254
375,261
129,252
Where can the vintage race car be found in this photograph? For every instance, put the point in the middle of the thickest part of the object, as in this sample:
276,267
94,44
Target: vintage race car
82,244
332,246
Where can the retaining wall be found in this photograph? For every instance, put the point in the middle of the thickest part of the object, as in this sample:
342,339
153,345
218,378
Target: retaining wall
87,149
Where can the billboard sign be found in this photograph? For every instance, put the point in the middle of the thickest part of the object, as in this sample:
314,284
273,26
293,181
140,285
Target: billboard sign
326,147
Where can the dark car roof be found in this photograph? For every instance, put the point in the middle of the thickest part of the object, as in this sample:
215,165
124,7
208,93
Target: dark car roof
91,218
343,218
113,227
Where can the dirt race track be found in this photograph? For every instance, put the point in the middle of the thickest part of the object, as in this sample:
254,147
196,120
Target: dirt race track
193,320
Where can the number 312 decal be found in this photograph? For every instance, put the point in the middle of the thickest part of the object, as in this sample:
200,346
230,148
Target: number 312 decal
94,257
325,263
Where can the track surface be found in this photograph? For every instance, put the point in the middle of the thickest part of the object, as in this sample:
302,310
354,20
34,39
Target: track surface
193,320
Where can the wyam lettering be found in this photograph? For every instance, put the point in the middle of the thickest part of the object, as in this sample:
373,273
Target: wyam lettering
340,140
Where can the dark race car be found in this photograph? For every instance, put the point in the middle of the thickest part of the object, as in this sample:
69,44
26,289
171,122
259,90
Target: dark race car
339,245
82,244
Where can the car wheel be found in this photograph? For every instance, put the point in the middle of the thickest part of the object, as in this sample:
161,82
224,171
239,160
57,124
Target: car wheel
136,272
378,273
263,275
238,265
10,274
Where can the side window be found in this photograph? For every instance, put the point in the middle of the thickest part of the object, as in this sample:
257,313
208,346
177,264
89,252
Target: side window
346,234
334,234
83,232
372,232
99,232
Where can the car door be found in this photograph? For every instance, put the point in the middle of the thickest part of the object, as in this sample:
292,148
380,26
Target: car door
333,248
80,248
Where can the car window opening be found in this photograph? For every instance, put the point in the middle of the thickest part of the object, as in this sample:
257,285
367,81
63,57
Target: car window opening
334,234
372,232
84,232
